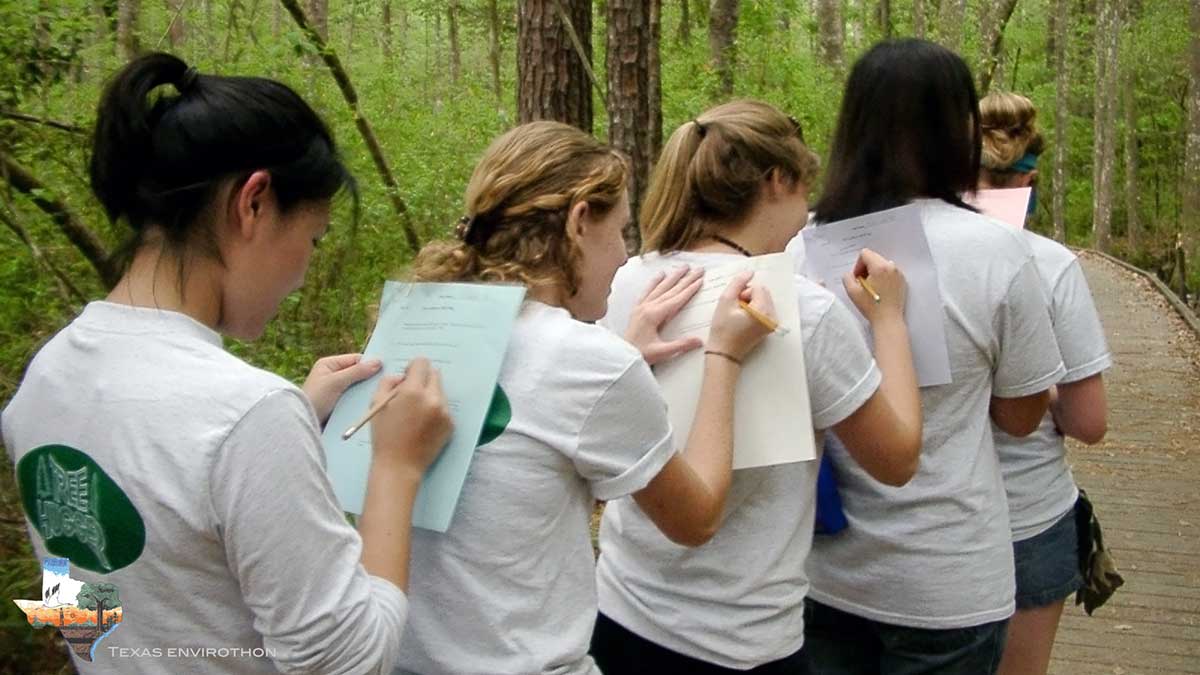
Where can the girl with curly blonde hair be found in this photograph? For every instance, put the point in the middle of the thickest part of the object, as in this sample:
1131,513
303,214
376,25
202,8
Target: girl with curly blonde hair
577,417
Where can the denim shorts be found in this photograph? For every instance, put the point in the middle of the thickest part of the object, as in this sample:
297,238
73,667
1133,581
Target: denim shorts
839,643
1048,565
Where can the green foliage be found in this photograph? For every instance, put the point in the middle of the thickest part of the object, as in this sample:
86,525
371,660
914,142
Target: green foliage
54,58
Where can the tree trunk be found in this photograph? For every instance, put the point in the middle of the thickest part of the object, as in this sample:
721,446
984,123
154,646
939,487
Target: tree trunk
884,16
494,48
177,30
128,13
992,38
1107,33
722,33
685,23
654,72
950,24
1190,206
455,54
1061,90
386,33
856,32
552,79
1128,103
830,27
919,25
630,97
330,57
318,17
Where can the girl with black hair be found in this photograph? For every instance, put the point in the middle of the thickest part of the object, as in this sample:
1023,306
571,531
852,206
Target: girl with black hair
160,463
921,581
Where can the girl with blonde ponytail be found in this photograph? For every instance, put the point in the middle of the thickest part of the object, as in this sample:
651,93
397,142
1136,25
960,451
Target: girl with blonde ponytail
734,182
577,415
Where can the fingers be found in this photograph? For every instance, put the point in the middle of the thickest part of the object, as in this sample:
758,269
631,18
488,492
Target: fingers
652,286
339,361
665,351
387,384
683,292
736,285
760,299
435,386
419,371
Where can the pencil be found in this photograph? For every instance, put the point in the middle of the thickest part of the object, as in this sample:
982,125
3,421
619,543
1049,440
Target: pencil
770,324
862,281
370,413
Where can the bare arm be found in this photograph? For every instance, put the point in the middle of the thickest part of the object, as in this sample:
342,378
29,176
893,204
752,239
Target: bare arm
686,500
1080,409
884,435
1019,416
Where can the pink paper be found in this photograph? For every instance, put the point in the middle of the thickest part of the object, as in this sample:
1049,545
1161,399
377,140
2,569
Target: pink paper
1008,206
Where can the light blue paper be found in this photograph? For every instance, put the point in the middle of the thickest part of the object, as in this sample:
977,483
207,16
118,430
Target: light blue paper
463,329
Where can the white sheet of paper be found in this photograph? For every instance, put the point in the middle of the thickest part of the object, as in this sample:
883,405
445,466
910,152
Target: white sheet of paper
1009,205
830,250
772,416
463,329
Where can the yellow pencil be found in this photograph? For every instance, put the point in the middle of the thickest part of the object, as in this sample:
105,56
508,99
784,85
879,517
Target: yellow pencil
769,323
862,281
370,413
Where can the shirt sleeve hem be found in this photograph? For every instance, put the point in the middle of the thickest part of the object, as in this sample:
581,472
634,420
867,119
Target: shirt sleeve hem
639,475
1032,387
1082,372
854,399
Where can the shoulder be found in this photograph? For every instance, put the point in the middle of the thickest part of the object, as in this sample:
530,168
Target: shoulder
953,225
1052,258
816,302
571,346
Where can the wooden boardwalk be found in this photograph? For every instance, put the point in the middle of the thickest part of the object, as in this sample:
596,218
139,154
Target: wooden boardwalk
1145,482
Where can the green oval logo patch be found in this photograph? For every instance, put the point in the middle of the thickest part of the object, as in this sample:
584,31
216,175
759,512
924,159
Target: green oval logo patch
79,511
499,414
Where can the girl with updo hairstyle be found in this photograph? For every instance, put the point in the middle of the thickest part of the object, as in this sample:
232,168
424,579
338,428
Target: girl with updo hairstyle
165,466
1043,501
1011,143
731,183
577,417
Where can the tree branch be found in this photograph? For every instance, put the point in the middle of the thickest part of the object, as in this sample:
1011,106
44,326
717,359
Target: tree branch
65,287
61,126
84,239
364,127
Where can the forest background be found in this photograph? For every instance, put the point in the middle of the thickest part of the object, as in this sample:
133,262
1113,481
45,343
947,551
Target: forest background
415,90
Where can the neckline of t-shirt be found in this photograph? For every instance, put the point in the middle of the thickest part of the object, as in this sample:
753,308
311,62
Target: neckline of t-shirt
115,317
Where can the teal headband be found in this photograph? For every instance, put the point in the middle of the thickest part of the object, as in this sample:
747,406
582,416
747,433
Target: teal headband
1025,164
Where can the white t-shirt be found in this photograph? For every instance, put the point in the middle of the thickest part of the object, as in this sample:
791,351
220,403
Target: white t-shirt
510,586
937,552
1037,479
220,466
738,600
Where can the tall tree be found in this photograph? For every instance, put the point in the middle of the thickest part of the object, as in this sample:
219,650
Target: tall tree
1062,86
1107,33
883,14
554,58
128,16
494,47
831,28
177,29
684,33
98,597
386,34
994,20
455,52
318,16
632,52
1129,108
920,28
856,28
1190,211
722,33
950,23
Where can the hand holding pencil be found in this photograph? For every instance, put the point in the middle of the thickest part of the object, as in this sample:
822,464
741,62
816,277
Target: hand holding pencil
744,316
876,286
410,422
